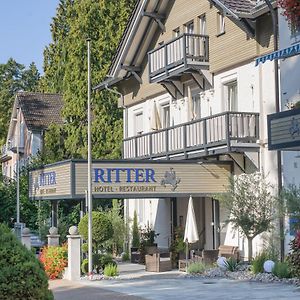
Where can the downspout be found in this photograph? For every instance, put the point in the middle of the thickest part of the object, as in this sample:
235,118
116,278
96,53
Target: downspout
277,106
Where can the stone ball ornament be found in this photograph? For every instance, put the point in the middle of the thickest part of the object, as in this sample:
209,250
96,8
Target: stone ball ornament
26,231
73,230
269,266
53,231
221,262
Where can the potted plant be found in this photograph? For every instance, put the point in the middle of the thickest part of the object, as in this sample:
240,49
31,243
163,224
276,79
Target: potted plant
291,10
135,244
147,245
178,246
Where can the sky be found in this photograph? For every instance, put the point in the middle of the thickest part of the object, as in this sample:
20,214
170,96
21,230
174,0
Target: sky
25,30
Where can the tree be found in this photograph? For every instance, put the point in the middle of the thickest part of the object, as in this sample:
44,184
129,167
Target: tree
65,65
14,77
102,229
135,232
251,205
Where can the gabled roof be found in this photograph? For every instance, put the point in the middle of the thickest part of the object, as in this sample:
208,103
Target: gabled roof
141,28
40,109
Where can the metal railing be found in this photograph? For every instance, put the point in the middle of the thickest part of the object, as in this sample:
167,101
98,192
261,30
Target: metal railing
203,134
181,51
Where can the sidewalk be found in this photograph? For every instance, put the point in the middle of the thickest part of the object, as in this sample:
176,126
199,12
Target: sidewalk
134,282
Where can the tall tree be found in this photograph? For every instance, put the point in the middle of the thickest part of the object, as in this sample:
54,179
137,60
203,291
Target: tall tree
14,77
66,71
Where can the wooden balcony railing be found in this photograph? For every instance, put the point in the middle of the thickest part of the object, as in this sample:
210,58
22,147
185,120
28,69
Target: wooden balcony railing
184,52
222,131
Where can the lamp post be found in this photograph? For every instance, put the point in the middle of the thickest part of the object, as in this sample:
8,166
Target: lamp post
90,203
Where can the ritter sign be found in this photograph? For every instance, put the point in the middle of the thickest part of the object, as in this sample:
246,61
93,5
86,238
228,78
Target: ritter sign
128,179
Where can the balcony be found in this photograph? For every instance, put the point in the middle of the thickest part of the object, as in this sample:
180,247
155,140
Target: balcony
185,53
215,135
13,146
5,153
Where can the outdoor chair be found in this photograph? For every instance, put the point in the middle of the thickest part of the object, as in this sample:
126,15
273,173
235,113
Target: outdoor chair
229,251
158,262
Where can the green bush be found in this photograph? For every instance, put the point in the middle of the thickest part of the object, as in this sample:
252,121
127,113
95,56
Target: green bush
281,270
196,268
85,266
111,270
135,232
102,229
258,262
125,256
231,264
22,275
293,258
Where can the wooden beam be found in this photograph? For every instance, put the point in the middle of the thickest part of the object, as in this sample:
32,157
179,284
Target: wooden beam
170,89
198,79
157,18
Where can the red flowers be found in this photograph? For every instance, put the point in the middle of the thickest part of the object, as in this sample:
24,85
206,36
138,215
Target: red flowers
291,10
54,260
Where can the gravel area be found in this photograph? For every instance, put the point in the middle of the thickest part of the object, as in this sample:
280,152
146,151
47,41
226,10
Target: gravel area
244,274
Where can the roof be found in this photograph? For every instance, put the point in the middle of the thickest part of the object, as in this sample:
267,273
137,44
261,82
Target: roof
40,109
245,6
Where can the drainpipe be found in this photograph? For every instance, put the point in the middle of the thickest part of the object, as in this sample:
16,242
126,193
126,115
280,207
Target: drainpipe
277,105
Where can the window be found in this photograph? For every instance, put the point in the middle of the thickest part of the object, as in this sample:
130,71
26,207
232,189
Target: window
138,123
202,30
165,115
189,27
196,106
231,96
202,25
176,32
220,23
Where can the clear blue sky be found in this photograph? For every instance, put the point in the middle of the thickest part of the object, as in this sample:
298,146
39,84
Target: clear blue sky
25,30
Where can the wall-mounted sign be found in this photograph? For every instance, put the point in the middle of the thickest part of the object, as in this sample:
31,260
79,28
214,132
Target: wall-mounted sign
129,179
284,130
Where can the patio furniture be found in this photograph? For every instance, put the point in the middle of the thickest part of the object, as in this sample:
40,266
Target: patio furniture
158,262
229,251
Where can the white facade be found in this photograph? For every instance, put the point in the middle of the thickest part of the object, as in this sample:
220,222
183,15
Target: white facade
254,91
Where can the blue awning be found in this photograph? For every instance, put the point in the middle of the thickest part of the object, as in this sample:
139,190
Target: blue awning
287,52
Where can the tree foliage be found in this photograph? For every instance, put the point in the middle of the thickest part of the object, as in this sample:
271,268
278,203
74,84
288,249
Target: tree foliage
65,64
251,204
102,229
14,77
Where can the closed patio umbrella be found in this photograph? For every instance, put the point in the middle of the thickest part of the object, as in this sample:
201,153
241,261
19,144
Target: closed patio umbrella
191,231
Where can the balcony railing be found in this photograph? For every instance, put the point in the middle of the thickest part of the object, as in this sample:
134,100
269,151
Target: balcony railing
221,133
184,52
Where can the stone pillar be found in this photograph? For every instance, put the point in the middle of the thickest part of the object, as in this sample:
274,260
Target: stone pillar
25,238
53,237
74,242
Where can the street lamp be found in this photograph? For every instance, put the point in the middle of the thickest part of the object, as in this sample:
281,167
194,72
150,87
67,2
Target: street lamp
90,203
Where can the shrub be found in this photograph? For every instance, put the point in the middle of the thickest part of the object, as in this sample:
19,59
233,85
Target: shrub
111,270
135,232
54,259
22,275
293,258
196,268
85,266
258,262
281,270
125,256
106,259
102,229
231,264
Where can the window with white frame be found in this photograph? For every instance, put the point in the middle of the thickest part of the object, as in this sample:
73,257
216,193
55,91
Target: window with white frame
189,27
196,105
165,115
230,92
190,40
202,31
138,123
220,23
176,32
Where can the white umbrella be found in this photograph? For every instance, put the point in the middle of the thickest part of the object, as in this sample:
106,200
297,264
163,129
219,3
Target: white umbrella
155,119
191,231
